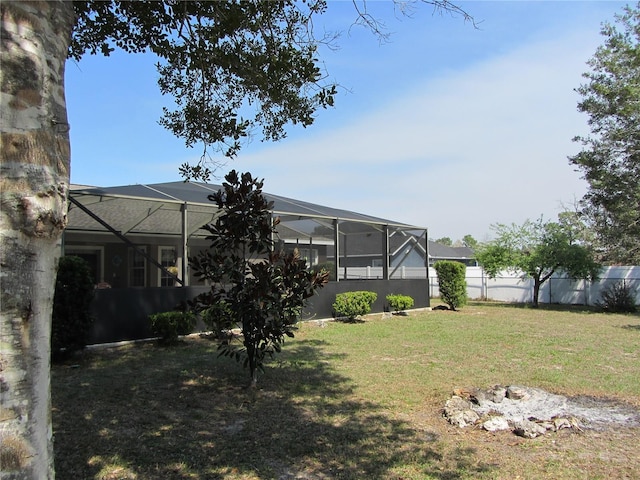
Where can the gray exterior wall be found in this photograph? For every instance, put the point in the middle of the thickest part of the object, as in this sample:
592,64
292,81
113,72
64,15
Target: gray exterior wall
320,306
121,313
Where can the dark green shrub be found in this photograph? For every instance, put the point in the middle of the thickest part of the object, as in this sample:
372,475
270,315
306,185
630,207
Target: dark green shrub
452,283
618,298
354,304
71,320
169,325
398,303
219,318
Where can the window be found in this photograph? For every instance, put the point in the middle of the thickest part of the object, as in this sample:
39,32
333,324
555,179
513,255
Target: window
138,272
167,257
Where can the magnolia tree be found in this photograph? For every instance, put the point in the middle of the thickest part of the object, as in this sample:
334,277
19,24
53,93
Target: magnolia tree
233,68
261,289
536,250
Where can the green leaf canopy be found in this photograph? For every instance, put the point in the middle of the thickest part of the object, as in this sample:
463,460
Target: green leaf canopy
229,66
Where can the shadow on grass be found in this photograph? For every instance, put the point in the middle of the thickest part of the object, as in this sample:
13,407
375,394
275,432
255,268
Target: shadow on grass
632,327
358,319
552,307
177,413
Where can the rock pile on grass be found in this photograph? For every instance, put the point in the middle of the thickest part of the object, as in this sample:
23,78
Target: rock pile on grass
531,412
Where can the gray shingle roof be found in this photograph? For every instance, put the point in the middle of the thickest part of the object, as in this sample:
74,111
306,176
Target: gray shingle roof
438,250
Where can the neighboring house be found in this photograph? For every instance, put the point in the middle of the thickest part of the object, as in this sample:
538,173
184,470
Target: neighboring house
438,251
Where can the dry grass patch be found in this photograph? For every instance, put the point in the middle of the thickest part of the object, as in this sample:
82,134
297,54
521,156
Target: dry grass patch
352,401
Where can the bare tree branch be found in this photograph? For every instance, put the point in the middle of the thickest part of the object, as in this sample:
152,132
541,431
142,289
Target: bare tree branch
405,8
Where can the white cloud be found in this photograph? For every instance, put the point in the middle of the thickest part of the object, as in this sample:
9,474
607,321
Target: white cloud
449,127
478,146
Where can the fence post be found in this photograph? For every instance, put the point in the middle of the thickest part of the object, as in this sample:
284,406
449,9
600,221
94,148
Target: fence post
484,293
586,287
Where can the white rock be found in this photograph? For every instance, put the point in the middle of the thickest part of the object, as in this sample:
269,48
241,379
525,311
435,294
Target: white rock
463,418
528,429
495,424
498,394
514,392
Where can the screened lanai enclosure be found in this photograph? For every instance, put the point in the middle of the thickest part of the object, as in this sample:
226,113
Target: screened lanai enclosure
137,240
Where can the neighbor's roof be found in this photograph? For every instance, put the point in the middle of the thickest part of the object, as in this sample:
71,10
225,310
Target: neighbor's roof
438,250
156,208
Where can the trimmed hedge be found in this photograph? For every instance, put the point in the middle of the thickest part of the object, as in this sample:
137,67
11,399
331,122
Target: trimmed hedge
218,317
169,325
399,302
354,304
452,283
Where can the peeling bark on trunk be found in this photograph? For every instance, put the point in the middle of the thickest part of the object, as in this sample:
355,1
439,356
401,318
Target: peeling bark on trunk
33,184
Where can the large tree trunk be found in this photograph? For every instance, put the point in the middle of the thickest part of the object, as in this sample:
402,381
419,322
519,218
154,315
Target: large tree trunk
34,184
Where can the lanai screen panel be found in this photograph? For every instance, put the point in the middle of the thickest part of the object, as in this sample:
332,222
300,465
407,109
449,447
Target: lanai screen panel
339,240
360,252
407,253
138,217
138,210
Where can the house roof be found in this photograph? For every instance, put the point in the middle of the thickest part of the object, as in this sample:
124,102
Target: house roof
157,209
440,251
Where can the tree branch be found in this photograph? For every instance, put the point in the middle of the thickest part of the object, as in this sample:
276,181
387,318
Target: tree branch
406,9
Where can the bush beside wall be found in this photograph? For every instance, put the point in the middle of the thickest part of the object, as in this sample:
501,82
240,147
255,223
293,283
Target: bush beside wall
399,303
169,325
71,320
618,298
452,283
354,304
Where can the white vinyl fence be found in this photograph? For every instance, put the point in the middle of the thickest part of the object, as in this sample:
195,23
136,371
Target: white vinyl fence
512,288
558,289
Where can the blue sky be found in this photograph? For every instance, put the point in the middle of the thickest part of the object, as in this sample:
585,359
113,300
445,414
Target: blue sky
444,126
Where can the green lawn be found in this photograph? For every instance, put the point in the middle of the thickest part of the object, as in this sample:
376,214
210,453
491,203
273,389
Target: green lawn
350,400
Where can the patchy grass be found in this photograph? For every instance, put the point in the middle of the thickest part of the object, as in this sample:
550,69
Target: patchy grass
350,401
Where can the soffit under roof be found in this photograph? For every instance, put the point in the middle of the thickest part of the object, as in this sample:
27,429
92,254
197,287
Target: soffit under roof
156,209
